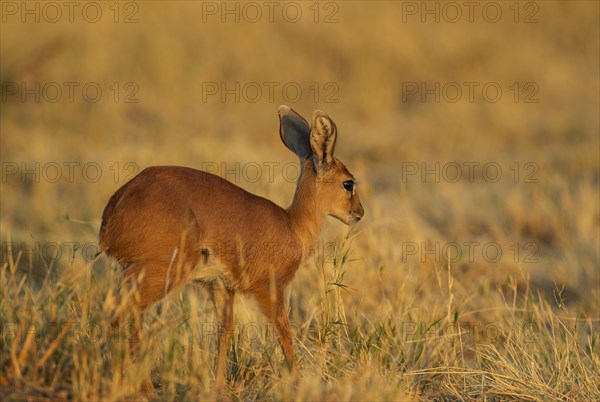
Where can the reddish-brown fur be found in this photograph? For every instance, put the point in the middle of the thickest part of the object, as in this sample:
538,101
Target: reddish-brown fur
170,225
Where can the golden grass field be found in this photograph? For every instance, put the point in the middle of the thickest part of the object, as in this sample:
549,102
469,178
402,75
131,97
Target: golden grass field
474,274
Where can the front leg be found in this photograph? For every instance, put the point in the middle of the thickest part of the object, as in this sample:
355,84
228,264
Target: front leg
273,307
282,325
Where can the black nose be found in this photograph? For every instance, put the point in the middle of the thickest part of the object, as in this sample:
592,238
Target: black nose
357,215
360,213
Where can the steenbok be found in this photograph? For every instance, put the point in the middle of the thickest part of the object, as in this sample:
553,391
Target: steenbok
170,225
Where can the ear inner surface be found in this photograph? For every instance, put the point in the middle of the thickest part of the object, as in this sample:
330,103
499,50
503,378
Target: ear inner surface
322,139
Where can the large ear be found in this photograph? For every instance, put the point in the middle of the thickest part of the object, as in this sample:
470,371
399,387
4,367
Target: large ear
294,132
322,140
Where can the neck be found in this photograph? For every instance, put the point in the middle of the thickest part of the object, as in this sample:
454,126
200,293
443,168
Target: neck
306,218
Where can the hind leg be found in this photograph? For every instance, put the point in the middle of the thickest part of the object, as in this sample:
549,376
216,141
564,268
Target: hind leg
222,299
154,281
148,292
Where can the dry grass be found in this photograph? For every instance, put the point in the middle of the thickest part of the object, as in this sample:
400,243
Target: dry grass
389,313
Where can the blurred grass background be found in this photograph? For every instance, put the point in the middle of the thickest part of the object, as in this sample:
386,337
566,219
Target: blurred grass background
371,53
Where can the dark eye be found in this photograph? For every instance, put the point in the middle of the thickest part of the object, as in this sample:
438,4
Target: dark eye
349,185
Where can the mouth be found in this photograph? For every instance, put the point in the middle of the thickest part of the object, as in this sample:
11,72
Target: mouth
354,218
350,219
